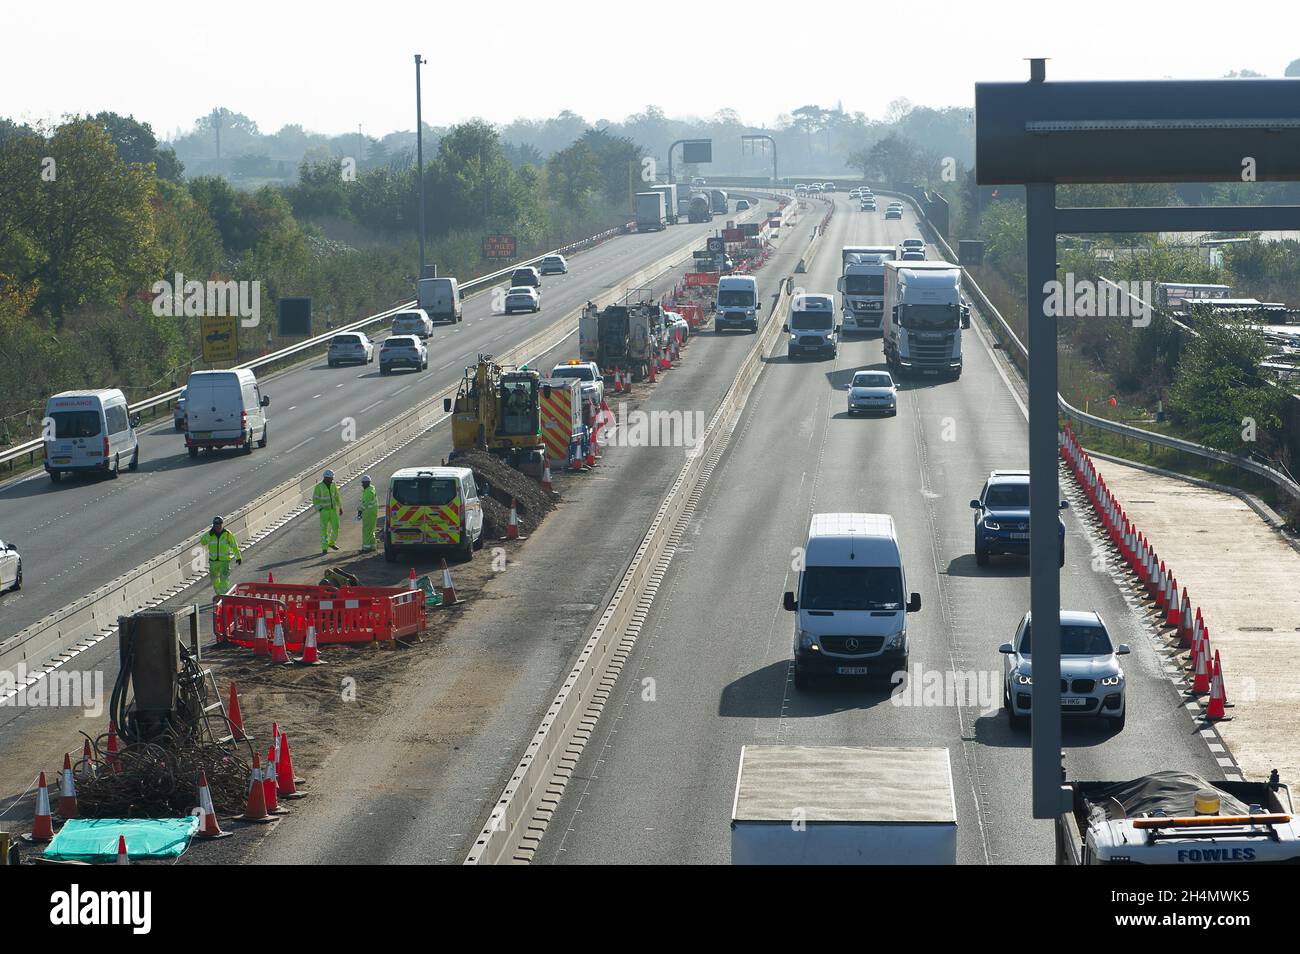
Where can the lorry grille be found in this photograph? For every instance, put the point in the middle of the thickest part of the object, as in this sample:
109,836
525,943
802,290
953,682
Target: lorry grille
865,645
931,352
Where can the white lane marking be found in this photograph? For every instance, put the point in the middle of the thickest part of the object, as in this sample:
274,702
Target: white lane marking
293,408
339,385
302,444
400,390
369,406
315,396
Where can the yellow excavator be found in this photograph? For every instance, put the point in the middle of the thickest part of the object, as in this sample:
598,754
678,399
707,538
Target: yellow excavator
497,408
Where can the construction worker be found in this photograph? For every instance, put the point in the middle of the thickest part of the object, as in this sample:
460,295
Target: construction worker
368,512
329,505
222,548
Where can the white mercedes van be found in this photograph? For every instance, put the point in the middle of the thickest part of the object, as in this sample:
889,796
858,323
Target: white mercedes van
224,409
90,431
850,603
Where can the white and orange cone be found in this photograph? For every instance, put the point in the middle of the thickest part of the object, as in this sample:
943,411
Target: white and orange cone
67,790
546,479
512,526
310,653
122,857
209,827
260,645
279,652
1218,696
448,590
42,824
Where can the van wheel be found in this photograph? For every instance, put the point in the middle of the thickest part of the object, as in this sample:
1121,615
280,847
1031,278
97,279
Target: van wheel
389,553
478,544
135,459
18,585
467,550
981,557
266,435
248,443
117,467
194,451
55,476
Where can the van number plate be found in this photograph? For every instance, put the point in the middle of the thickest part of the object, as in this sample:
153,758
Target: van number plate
851,670
1019,536
63,460
202,435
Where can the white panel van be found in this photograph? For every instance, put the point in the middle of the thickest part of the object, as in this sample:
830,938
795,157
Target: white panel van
91,431
224,409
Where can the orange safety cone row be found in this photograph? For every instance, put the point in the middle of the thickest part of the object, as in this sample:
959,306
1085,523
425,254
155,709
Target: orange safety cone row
285,780
310,652
114,761
512,525
235,717
448,590
256,808
122,857
209,827
279,652
42,824
67,790
260,645
1218,697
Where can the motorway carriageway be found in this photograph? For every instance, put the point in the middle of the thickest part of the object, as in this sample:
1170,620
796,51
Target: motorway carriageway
656,781
456,717
83,532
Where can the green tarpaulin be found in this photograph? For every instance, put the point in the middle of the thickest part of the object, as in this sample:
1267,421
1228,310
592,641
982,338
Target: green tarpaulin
95,839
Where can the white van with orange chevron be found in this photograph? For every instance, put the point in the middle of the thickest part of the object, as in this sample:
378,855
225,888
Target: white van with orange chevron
433,507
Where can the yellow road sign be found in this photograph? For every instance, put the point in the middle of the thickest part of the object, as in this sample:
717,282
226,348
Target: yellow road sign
220,338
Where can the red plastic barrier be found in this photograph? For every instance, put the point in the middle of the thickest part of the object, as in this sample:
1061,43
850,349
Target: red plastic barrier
360,614
234,618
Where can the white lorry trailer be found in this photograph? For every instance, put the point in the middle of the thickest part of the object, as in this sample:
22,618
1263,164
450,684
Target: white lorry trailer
651,214
922,312
862,285
835,805
671,206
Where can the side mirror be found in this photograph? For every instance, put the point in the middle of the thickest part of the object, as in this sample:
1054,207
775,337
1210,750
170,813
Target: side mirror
1123,650
789,602
1065,505
266,401
758,306
839,285
135,420
974,504
446,405
914,604
1006,648
785,327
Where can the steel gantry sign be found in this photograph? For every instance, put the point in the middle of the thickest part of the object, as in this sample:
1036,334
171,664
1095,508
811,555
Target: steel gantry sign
1040,134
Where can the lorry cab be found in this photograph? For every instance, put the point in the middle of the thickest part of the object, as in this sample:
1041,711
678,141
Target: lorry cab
440,298
91,432
737,304
812,327
433,507
862,285
851,611
225,409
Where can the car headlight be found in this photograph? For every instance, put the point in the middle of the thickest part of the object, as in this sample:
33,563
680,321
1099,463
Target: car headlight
1114,680
895,641
992,524
807,640
1023,679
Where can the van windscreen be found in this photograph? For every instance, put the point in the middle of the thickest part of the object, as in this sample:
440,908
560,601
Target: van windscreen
736,297
424,491
75,424
852,588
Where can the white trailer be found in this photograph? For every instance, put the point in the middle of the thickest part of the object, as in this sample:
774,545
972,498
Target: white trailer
651,213
843,805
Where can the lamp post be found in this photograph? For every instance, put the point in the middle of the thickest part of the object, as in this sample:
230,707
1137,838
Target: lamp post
419,157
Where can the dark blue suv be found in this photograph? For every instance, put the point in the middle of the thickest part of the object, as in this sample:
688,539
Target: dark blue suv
1002,517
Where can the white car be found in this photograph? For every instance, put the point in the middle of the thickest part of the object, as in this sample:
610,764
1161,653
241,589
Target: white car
178,412
11,567
553,265
415,322
674,320
1092,680
588,372
350,347
893,213
522,298
403,351
854,193
873,392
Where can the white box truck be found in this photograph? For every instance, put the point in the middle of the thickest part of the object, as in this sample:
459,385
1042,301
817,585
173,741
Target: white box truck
923,318
671,206
862,285
843,805
651,215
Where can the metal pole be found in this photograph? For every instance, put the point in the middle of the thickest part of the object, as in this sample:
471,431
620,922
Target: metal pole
419,159
1044,543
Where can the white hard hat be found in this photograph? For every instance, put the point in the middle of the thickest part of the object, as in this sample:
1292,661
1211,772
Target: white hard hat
328,473
365,478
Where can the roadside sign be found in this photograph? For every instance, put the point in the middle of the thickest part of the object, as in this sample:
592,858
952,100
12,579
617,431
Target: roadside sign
733,235
716,245
499,246
702,256
700,278
293,317
220,334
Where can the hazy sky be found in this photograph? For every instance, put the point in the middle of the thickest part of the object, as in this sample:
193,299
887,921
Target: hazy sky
331,65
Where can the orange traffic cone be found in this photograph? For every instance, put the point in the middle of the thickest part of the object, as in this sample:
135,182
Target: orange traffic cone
279,653
209,827
270,786
122,857
260,645
512,527
86,767
67,790
618,381
410,580
1173,613
448,590
546,479
310,654
1201,676
651,362
114,761
1218,697
235,717
270,577
285,780
1185,620
256,809
42,824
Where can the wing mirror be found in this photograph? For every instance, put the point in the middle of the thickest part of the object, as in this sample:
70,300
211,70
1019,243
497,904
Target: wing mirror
1123,650
446,405
914,604
1065,505
135,420
789,602
975,505
1006,649
266,401
785,327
